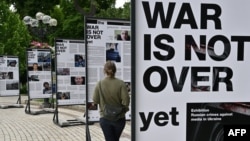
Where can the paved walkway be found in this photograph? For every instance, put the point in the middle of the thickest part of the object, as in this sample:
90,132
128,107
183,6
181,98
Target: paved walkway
16,125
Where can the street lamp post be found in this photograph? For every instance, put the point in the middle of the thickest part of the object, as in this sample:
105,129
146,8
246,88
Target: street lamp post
40,26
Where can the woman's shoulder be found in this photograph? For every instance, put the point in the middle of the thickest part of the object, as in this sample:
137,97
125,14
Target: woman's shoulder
119,81
115,79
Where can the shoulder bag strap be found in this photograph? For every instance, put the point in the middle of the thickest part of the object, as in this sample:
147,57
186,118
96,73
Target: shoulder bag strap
100,92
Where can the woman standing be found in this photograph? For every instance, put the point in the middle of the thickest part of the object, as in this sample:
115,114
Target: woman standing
114,92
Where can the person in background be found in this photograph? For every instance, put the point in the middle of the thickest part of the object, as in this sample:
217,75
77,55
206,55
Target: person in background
64,96
35,67
47,90
12,63
123,36
78,80
112,53
114,92
79,61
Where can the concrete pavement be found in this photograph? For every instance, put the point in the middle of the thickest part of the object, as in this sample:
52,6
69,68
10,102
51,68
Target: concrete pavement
16,125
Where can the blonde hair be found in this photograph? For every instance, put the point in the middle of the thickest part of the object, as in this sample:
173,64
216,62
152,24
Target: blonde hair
110,69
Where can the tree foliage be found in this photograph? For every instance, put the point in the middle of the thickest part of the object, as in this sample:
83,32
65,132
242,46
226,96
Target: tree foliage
31,7
14,36
71,22
118,13
68,14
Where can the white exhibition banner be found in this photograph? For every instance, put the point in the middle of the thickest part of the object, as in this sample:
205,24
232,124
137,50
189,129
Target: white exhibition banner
9,75
70,72
39,73
106,41
191,60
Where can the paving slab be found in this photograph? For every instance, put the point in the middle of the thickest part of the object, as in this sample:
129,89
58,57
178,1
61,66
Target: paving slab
16,125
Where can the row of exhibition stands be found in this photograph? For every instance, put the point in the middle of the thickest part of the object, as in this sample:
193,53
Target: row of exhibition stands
78,67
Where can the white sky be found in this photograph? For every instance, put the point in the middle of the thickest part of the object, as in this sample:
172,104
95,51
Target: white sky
119,3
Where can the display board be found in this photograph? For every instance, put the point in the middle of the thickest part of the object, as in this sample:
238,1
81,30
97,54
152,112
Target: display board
191,61
39,73
70,72
108,39
9,75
